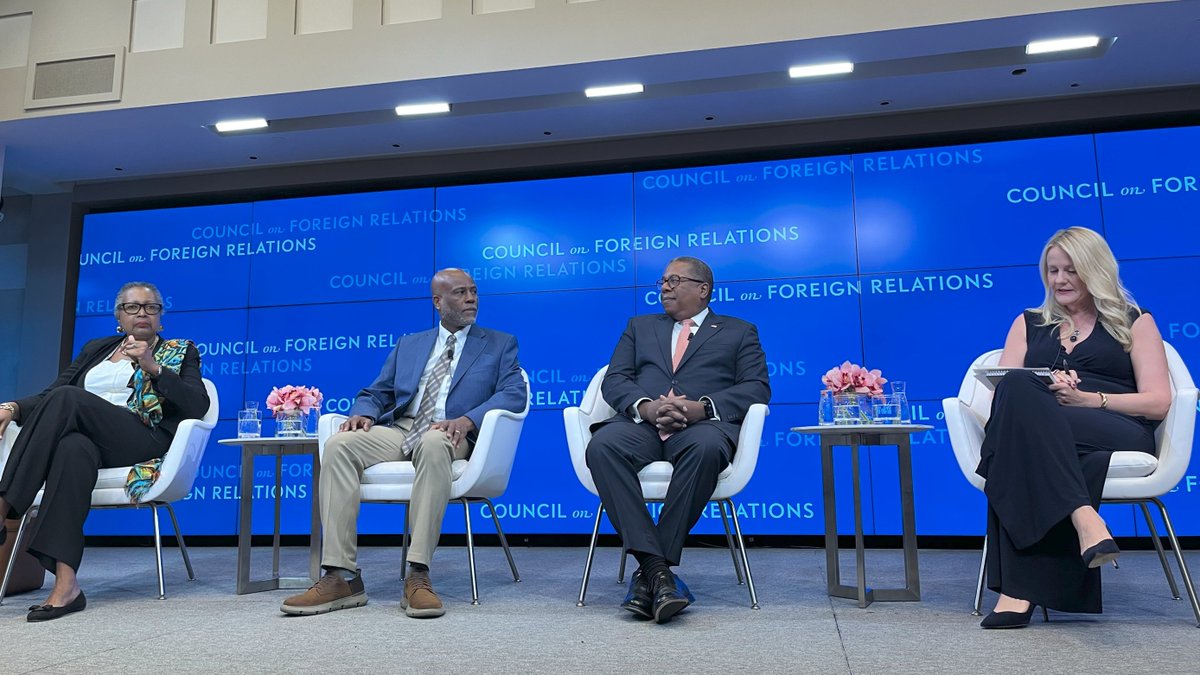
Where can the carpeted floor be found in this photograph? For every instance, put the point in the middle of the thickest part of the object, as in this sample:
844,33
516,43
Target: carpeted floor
534,626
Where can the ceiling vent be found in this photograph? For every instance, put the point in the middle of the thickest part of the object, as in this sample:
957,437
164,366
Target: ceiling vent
71,79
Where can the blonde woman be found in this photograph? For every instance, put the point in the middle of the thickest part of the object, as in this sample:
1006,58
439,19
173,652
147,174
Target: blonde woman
1047,446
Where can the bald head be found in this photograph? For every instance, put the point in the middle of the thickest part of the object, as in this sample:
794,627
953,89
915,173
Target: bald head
455,297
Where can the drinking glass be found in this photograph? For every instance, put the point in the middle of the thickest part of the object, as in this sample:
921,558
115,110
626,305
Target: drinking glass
900,391
250,421
886,409
825,408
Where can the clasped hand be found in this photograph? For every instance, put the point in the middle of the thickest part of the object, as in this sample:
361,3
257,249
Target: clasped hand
671,413
1066,388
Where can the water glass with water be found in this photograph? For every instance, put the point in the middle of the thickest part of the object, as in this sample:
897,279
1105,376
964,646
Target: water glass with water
886,409
825,408
900,391
250,421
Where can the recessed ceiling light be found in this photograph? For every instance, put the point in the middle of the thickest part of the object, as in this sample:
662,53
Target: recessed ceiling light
818,69
226,126
422,109
614,90
1062,45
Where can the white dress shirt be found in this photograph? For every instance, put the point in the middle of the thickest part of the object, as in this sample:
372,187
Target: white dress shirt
110,381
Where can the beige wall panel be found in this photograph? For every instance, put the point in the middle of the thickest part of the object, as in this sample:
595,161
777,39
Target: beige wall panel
493,6
157,24
406,11
14,40
322,16
239,20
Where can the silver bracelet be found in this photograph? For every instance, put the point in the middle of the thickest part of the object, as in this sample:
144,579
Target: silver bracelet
10,407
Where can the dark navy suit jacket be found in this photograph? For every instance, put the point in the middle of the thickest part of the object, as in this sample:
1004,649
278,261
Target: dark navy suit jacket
488,376
723,361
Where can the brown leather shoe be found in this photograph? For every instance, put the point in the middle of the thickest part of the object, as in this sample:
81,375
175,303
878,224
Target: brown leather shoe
419,600
330,593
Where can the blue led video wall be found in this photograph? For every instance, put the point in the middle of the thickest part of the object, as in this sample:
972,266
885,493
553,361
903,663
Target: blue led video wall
913,262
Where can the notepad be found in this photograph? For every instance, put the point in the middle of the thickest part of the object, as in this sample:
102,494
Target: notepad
990,376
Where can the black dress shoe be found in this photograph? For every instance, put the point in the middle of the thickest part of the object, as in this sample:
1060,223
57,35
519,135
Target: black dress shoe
638,599
1008,619
50,612
668,601
1100,554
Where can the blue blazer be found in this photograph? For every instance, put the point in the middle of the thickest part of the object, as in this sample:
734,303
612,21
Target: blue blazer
723,361
488,376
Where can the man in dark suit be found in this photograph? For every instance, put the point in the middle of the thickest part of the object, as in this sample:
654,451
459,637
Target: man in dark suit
681,383
426,406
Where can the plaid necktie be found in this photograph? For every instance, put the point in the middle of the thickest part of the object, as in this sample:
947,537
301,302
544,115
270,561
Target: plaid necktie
433,389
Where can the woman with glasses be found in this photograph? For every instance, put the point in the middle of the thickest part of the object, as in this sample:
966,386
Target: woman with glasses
117,404
1047,447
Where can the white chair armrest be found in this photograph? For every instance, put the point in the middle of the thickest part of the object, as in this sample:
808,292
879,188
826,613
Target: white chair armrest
748,445
966,437
491,461
327,426
6,443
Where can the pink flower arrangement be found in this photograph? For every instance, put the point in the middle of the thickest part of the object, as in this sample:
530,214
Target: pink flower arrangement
853,377
299,398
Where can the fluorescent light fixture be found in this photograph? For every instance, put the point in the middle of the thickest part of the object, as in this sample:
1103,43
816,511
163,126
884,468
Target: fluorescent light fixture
818,69
422,109
1062,45
226,126
614,90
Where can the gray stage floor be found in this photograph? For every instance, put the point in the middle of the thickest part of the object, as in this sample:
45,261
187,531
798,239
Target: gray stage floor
534,626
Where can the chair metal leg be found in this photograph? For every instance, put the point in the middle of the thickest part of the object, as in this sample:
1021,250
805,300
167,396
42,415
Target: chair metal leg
621,569
503,539
162,591
16,550
404,546
470,552
737,528
977,610
1183,569
187,560
737,569
587,566
1162,555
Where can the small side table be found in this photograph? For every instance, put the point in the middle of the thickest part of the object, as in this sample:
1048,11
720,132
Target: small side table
276,447
855,436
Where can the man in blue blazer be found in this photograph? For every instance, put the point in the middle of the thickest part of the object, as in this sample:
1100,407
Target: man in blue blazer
426,406
681,383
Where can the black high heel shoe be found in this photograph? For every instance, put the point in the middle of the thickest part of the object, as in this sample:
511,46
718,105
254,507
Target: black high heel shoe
1101,554
1012,619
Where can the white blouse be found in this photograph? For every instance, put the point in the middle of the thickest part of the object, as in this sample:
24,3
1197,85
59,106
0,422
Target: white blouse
110,381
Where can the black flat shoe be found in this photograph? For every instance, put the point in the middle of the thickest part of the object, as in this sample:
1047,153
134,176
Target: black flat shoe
1012,619
1101,554
50,612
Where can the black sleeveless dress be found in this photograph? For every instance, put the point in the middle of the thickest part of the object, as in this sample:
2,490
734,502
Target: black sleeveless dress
1043,460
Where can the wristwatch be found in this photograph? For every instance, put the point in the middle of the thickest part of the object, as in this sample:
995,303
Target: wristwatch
709,411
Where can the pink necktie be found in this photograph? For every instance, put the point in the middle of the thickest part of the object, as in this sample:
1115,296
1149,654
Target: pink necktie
681,343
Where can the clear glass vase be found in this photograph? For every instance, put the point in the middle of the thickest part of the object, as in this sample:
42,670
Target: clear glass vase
289,424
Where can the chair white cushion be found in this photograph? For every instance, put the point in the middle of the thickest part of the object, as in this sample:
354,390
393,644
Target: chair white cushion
112,478
403,473
1132,465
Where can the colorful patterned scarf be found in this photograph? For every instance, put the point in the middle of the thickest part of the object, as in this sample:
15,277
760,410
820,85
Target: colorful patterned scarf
144,403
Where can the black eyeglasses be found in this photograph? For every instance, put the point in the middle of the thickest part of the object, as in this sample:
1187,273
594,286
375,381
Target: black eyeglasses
674,280
135,308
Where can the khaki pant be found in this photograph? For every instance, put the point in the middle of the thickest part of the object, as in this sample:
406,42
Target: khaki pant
348,454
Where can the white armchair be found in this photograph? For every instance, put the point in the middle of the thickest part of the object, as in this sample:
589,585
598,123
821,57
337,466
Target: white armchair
481,478
176,476
1133,477
656,477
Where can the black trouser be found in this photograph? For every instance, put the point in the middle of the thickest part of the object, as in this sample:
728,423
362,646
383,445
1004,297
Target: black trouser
1042,461
620,449
63,444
